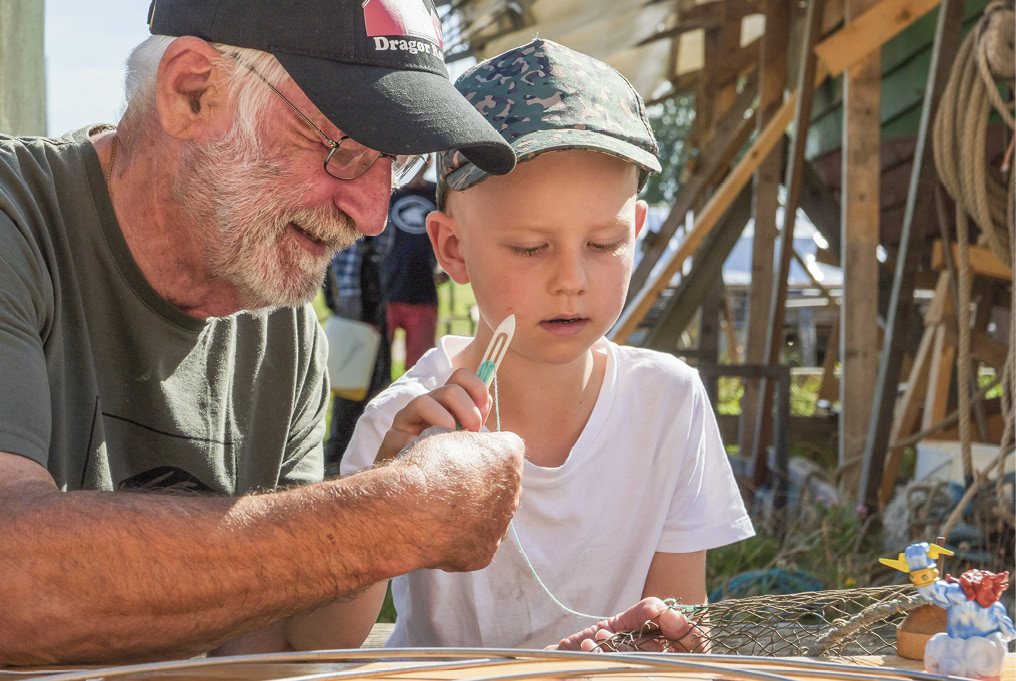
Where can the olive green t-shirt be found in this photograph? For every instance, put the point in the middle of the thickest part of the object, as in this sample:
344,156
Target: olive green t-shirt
110,386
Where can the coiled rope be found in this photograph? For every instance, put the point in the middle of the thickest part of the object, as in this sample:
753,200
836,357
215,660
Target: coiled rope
979,190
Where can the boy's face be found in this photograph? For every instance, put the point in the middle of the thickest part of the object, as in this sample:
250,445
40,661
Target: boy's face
551,242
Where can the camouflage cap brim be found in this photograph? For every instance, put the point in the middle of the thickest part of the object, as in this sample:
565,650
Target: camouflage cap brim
540,141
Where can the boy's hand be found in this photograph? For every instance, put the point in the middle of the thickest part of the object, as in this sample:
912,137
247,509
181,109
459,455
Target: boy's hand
669,624
463,399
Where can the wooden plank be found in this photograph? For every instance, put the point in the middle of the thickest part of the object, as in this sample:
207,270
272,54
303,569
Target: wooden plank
908,413
869,29
795,164
22,69
936,401
733,352
773,82
983,347
716,11
736,62
862,94
829,391
909,253
823,209
983,261
692,291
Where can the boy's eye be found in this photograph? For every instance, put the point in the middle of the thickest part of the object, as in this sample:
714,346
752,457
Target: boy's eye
606,247
526,250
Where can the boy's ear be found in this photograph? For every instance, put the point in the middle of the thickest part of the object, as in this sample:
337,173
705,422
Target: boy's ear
188,95
641,211
443,230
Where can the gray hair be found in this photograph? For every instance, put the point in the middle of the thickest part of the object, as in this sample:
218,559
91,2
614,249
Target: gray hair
251,102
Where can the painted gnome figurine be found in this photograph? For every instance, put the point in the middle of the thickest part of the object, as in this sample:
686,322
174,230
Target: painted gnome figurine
977,626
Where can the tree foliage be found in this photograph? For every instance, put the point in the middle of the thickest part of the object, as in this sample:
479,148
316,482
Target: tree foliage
672,122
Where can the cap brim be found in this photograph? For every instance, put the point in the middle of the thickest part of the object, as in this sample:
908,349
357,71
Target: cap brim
399,111
540,141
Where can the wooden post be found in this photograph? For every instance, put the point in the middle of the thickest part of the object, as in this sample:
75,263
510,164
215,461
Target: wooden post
915,217
862,133
22,68
795,166
772,83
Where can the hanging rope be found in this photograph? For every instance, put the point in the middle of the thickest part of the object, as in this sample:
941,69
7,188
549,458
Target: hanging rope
986,56
979,190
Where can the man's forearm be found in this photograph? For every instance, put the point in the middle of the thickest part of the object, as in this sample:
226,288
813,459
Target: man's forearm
99,576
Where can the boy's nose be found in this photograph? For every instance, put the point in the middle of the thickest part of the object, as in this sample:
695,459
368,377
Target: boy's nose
569,274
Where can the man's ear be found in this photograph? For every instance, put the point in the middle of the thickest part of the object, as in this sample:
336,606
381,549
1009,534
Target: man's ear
443,230
189,92
641,211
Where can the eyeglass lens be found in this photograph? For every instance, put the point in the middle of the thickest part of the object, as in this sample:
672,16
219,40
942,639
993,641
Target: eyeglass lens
350,159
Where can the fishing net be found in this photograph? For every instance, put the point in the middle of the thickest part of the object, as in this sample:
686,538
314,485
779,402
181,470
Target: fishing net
813,624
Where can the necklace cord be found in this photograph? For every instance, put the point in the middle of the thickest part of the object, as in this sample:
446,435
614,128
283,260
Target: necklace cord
109,172
515,534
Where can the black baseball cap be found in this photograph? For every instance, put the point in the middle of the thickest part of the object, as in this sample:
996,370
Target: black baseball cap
375,68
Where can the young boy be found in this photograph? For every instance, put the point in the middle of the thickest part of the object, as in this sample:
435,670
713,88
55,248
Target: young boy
626,482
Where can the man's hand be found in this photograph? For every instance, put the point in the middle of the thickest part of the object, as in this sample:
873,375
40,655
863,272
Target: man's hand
462,400
651,616
471,485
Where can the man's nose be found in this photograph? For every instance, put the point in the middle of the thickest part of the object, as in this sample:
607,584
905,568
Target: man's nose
365,198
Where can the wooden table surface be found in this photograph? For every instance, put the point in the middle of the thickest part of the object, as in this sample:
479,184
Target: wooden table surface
452,665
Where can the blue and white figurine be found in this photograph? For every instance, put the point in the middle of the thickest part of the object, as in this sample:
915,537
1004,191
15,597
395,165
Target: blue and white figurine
977,626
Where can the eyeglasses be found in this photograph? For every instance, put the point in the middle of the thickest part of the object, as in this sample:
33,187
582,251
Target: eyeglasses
348,159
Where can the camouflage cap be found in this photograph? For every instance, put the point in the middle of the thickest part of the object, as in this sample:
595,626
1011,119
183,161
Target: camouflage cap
543,96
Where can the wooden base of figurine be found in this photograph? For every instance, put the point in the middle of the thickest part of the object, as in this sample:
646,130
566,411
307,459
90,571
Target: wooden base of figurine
913,633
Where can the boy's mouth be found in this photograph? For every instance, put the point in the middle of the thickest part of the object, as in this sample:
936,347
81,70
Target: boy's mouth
565,320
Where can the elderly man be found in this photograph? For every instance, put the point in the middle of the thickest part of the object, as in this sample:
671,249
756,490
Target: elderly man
155,337
247,156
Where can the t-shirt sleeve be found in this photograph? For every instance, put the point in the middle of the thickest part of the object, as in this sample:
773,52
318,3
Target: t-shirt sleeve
26,303
706,510
375,422
367,437
304,460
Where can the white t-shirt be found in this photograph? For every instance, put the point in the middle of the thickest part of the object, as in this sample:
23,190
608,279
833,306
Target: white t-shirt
647,474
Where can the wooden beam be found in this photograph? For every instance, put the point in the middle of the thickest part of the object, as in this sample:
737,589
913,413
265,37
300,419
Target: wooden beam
694,288
642,298
795,163
678,86
936,400
707,219
983,347
22,69
822,208
829,391
716,11
872,26
983,261
773,83
676,31
862,170
731,134
908,413
736,63
915,217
